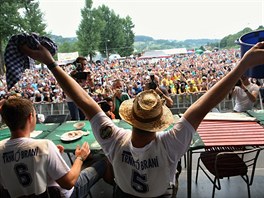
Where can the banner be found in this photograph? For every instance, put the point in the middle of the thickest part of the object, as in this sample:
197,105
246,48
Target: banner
67,56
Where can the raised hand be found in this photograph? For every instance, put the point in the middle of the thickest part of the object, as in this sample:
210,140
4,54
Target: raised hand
254,56
41,54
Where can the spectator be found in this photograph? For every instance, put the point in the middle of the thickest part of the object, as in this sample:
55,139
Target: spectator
118,97
80,67
107,106
245,94
38,98
153,83
191,88
143,155
204,86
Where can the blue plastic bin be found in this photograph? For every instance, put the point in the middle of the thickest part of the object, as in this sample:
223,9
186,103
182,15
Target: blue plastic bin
246,42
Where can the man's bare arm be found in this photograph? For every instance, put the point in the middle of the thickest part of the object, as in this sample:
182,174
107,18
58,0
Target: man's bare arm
197,111
67,83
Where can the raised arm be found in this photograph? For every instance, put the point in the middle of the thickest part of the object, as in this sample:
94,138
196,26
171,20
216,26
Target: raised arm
196,112
67,83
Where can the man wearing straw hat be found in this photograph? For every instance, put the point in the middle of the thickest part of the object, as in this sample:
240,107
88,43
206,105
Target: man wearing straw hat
145,159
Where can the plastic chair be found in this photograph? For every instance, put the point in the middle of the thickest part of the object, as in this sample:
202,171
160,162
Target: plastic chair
228,163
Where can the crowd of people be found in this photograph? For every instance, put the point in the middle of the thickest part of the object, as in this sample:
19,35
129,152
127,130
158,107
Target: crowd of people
138,156
182,74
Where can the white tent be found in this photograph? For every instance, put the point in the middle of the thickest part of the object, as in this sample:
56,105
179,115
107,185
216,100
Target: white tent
114,57
207,52
176,51
154,54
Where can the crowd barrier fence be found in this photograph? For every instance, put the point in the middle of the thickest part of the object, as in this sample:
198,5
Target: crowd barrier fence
180,104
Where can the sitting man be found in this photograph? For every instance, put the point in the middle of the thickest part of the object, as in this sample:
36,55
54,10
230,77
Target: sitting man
145,159
28,167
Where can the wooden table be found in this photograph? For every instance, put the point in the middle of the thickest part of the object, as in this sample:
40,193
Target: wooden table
224,133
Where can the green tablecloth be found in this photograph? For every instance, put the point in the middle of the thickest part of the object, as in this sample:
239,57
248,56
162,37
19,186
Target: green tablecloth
4,133
45,128
70,146
197,142
54,131
258,114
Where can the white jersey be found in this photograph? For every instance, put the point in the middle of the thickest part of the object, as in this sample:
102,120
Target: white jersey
147,171
242,101
28,166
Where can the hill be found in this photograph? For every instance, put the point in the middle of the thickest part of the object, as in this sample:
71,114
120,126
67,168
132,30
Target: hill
143,43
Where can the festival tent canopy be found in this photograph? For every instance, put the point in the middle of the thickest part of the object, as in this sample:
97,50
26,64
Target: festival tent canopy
199,51
114,57
154,54
176,51
207,52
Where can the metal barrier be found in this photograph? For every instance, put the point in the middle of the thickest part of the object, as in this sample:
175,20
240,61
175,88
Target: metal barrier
51,108
181,102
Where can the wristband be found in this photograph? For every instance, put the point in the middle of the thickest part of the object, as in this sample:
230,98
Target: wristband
52,65
80,158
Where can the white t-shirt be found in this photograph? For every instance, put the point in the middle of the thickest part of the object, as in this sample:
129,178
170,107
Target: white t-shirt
242,101
28,166
147,171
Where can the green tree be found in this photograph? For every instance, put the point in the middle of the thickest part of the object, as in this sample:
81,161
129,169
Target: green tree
106,41
88,33
68,47
116,41
33,18
128,46
15,17
117,35
10,23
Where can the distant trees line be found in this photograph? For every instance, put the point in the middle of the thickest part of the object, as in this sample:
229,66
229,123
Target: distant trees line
101,29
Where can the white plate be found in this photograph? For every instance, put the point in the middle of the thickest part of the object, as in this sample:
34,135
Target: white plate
71,135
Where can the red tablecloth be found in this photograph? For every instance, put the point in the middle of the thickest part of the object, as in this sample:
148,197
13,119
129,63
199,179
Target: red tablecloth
231,133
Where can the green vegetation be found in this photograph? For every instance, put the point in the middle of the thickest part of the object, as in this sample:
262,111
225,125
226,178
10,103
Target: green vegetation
18,16
101,29
229,41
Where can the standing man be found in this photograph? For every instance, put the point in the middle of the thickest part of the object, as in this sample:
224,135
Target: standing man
80,75
245,94
144,159
153,83
118,97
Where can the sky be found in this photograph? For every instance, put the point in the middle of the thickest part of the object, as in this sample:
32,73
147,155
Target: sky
163,19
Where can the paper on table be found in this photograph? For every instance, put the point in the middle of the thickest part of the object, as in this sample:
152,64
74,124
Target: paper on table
229,116
35,133
71,121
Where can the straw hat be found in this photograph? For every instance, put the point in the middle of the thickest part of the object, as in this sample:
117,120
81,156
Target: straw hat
147,112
